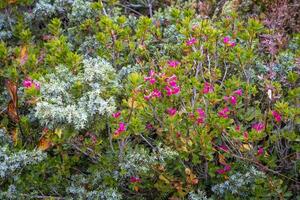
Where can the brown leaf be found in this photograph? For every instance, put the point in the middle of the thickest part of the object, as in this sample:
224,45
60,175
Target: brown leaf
12,105
222,159
12,90
12,112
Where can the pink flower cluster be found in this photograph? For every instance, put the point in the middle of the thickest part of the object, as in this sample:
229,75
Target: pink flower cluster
276,116
173,63
233,98
151,77
28,83
224,113
201,116
258,126
208,88
154,94
224,170
228,42
121,129
172,87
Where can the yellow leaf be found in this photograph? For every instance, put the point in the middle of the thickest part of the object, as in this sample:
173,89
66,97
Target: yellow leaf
23,55
14,135
58,132
188,171
246,147
161,177
222,159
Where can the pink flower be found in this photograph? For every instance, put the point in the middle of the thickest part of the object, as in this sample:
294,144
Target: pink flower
116,115
238,92
149,126
27,83
224,148
224,112
147,97
37,86
258,126
231,44
201,112
227,168
191,41
171,111
135,180
173,63
151,77
208,88
238,128
220,171
232,99
121,129
260,151
156,93
276,115
224,170
201,117
226,39
172,87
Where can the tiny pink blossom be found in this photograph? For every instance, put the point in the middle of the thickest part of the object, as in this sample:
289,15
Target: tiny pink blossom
224,148
260,151
238,128
122,128
27,83
176,90
171,111
116,115
200,120
258,126
147,97
201,112
220,171
37,86
276,116
224,112
156,93
173,63
191,41
227,168
231,99
238,92
246,135
169,90
231,44
226,39
208,88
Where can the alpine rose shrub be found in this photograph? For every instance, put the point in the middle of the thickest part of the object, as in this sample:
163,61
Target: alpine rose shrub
119,100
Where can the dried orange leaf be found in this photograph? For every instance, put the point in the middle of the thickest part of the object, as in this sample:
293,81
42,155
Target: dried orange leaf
44,144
